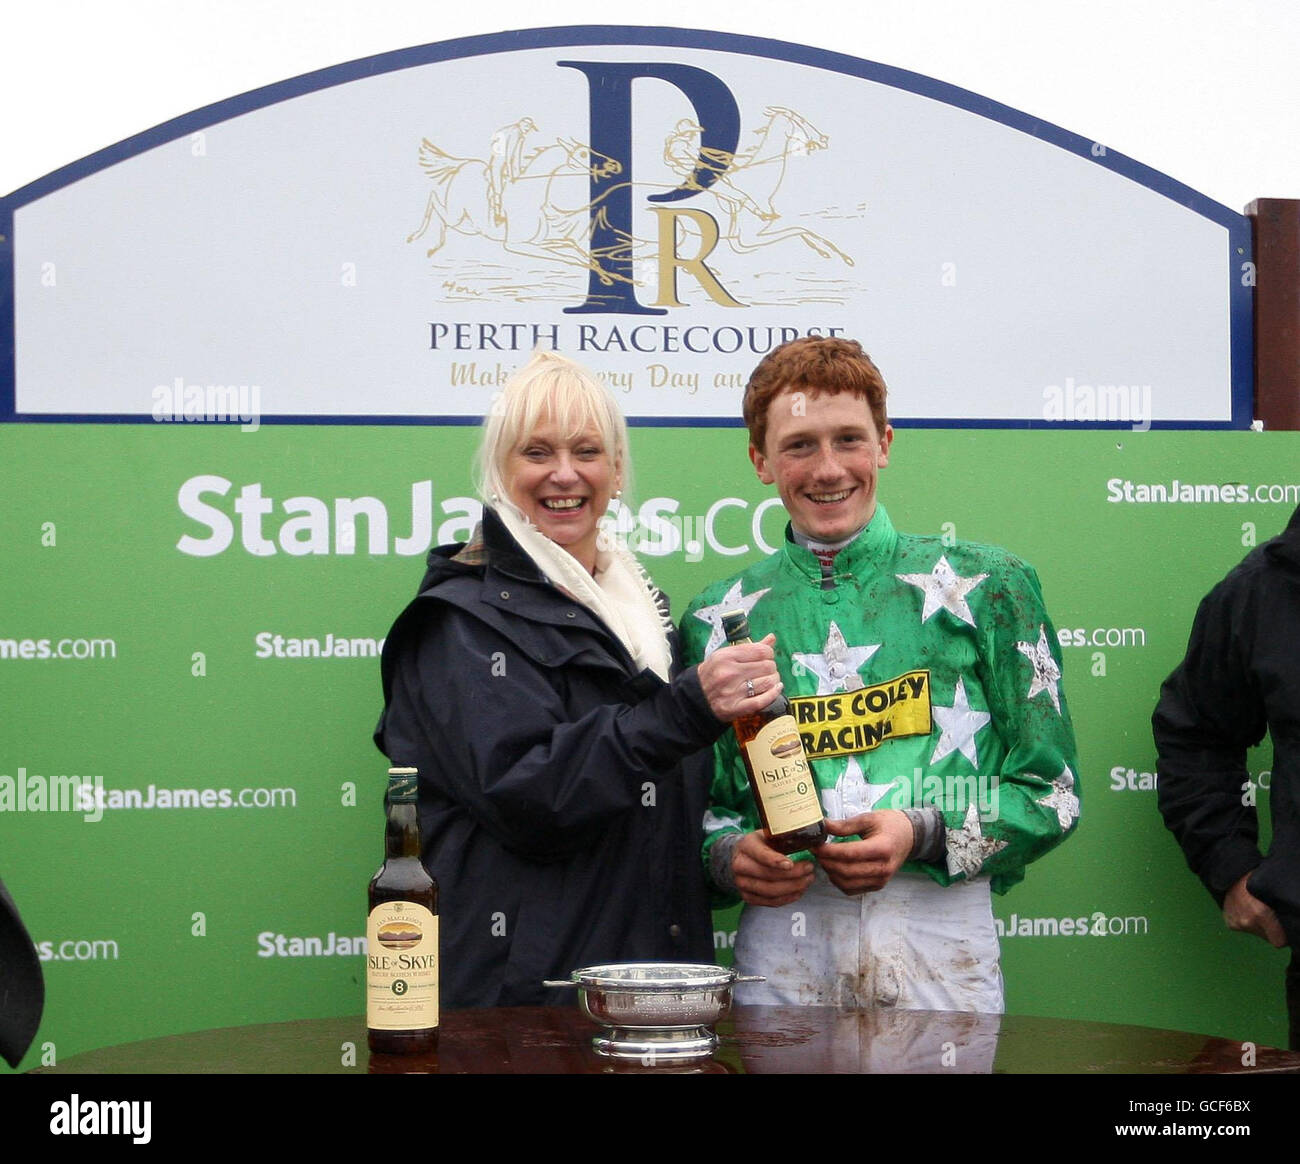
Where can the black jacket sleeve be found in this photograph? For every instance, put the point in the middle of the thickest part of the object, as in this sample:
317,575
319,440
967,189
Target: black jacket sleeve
492,728
1210,711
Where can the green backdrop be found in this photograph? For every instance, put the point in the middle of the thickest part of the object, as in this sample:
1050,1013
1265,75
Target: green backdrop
166,919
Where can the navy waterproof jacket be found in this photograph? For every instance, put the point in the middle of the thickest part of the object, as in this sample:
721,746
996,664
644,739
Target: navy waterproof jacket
562,789
1240,678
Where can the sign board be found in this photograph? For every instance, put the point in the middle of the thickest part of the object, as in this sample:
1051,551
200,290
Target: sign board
386,240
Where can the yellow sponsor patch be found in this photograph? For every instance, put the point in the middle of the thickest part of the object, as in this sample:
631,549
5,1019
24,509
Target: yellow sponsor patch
858,721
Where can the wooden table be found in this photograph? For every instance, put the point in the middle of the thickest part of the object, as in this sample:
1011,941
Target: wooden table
755,1040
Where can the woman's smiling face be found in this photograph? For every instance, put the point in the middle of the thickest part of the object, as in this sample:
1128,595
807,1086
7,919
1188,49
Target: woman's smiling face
562,481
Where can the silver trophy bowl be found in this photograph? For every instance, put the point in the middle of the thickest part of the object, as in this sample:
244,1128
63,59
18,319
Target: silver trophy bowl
655,1011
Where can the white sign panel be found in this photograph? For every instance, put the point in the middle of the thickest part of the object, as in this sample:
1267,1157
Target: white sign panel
389,239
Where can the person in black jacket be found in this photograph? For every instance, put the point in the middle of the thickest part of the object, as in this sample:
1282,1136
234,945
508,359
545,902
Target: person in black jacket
1239,679
22,985
563,754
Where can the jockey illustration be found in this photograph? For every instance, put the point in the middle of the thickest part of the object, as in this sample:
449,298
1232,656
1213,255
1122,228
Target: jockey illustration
686,158
507,161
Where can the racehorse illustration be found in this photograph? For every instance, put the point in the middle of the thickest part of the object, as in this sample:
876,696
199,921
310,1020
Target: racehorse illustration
545,207
752,179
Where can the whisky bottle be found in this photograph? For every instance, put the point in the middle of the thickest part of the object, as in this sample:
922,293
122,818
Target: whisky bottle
780,776
402,933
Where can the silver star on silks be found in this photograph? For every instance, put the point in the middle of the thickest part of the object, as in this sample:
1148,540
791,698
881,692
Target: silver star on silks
732,600
960,724
837,666
968,847
944,588
1046,673
1063,800
853,793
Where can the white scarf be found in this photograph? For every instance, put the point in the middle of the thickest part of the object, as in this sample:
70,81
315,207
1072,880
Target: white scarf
619,593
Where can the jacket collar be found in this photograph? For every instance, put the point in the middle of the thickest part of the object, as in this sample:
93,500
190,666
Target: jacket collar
476,570
540,599
505,555
862,556
490,546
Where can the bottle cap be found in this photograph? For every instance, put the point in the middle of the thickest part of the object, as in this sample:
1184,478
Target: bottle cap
735,625
403,784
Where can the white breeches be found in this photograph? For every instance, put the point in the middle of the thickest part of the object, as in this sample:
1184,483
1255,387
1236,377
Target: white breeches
914,945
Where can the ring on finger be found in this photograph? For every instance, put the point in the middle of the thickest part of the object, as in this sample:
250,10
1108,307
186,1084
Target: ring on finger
749,688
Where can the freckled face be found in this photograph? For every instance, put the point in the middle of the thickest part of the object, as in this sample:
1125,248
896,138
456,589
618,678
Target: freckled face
823,454
563,482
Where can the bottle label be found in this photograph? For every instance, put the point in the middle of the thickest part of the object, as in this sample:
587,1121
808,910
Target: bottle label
783,777
401,967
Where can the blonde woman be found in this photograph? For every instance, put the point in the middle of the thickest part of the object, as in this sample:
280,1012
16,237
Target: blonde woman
564,755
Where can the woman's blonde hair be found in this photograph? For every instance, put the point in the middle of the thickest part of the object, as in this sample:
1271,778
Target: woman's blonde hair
555,385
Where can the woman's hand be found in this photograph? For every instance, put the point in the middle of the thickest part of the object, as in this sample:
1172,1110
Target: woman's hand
740,680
